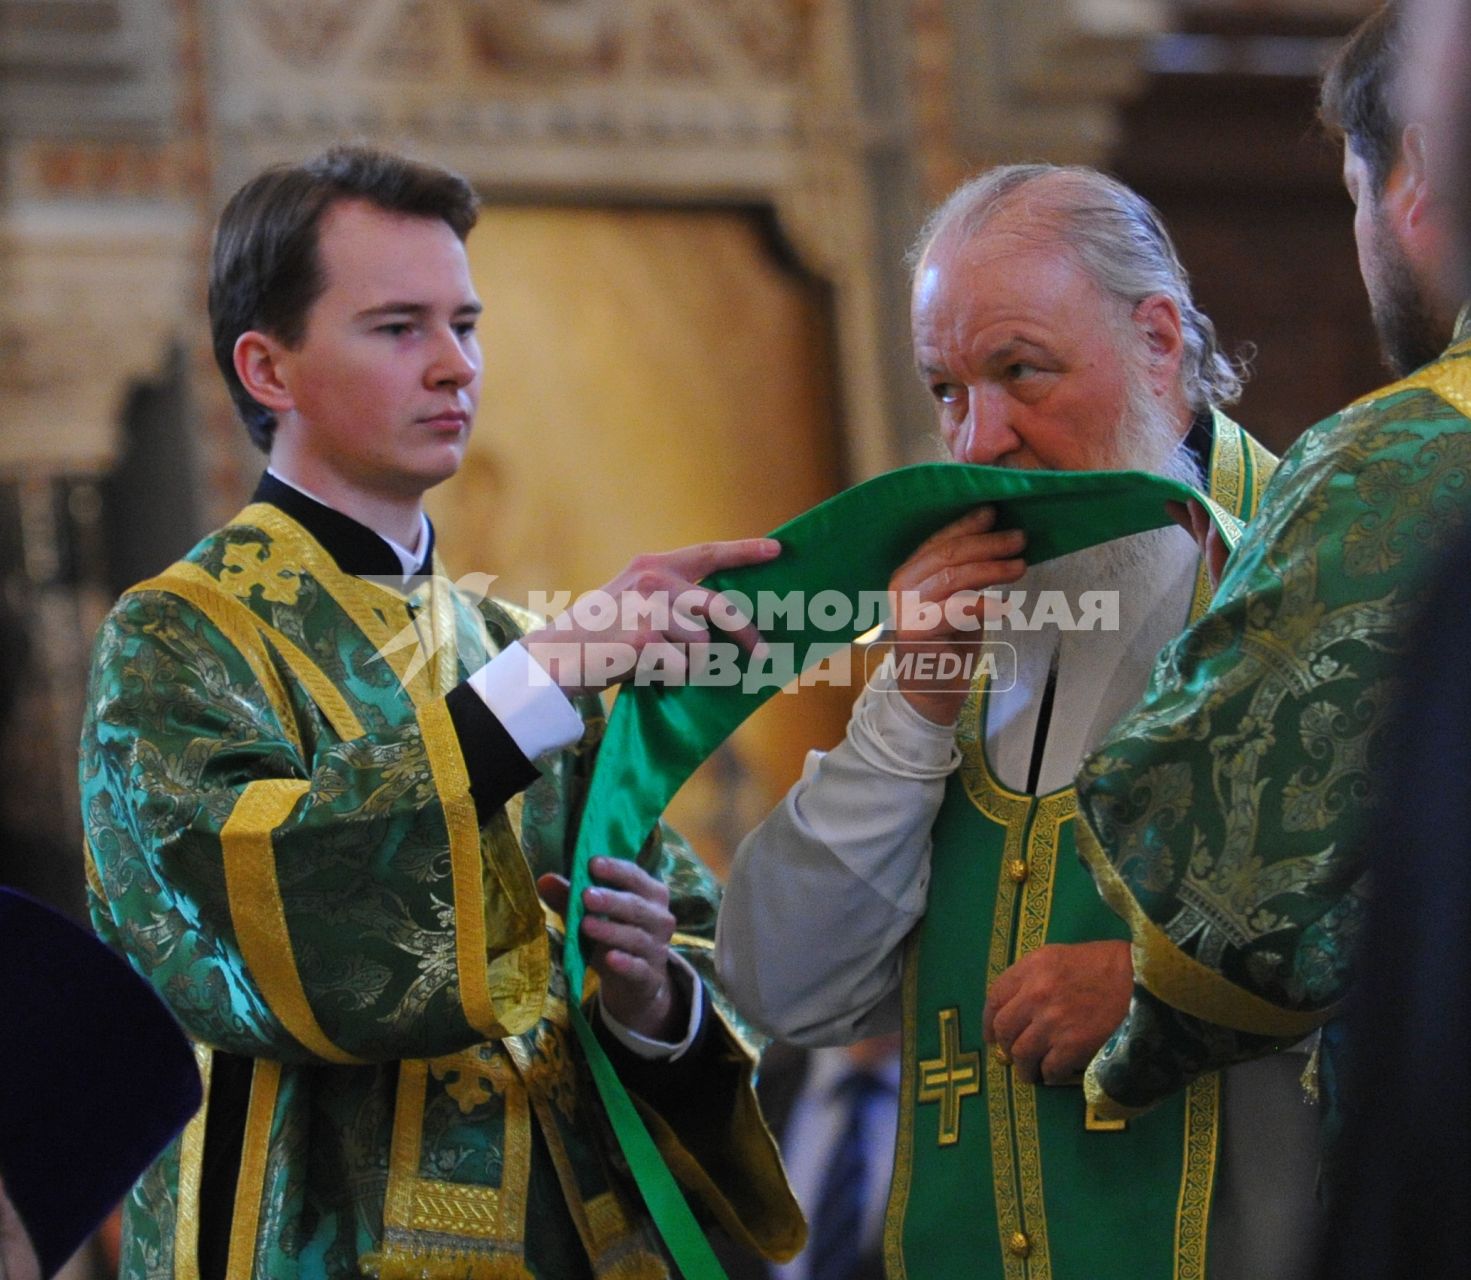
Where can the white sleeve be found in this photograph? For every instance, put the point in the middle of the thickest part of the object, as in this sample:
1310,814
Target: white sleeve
823,893
529,704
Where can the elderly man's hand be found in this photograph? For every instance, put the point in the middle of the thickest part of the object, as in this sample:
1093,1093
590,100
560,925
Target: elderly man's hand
626,932
1056,1006
949,570
1197,522
655,601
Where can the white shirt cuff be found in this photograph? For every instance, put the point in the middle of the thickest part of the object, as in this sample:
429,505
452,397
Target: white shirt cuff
687,981
530,706
893,738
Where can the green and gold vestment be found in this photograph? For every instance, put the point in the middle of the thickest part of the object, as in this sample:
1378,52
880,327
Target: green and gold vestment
282,839
995,1177
1222,815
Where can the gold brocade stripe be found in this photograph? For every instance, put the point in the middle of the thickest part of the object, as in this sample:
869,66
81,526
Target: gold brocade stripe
191,1170
415,1205
615,1247
89,864
1043,843
206,592
445,655
903,1175
452,785
1227,466
1263,466
1041,856
365,602
1181,981
1192,1214
520,976
238,625
691,942
1449,378
265,1084
1009,810
259,914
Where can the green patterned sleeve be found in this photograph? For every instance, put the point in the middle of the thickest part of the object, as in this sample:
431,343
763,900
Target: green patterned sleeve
1221,815
294,893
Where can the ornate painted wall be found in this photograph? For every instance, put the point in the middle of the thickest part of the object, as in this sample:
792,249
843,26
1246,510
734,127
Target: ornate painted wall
123,124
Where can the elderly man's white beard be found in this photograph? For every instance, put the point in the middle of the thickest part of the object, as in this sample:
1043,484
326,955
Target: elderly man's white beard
1146,439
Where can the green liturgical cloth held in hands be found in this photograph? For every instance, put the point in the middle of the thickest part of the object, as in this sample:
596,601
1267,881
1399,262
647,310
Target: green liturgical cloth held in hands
659,734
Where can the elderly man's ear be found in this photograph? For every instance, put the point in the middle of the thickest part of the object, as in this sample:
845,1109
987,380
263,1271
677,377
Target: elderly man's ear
1157,320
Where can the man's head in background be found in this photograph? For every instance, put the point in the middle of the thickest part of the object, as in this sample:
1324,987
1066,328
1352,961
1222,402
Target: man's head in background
1054,326
1399,226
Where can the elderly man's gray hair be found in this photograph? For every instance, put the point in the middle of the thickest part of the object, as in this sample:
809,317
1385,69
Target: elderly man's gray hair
1115,235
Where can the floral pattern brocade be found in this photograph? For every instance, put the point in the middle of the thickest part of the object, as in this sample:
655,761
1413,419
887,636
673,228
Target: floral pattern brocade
1227,807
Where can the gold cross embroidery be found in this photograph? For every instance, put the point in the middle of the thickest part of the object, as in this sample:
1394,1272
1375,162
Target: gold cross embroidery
950,1078
253,564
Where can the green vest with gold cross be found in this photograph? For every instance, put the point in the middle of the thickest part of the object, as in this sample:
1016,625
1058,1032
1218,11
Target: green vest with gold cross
994,1177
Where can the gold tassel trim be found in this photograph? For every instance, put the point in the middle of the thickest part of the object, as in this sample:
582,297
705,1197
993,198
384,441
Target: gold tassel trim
1311,1073
408,1264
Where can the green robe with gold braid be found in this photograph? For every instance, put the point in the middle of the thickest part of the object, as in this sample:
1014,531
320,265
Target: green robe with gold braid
282,837
1223,814
995,1177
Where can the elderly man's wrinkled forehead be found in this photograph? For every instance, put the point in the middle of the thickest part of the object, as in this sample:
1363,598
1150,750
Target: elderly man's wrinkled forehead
1024,232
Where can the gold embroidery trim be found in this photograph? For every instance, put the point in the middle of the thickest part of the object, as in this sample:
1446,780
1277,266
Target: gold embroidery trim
89,864
1010,1165
1450,379
191,1170
237,624
452,785
1181,981
1192,1214
614,1246
363,601
311,677
903,1177
259,914
1227,466
265,1084
501,995
414,1204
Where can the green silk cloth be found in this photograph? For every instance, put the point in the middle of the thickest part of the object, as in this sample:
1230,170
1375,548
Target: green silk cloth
1224,814
658,735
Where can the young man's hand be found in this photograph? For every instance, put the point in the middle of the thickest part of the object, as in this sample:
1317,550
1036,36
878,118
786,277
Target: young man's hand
656,600
625,934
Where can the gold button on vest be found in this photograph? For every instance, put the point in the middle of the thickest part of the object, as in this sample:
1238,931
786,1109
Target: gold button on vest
1017,870
1018,1245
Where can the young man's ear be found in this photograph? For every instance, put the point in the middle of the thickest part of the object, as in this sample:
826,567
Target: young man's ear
1157,319
1416,194
258,366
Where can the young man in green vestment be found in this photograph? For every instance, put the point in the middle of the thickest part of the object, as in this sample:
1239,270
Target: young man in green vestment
1223,814
932,850
321,793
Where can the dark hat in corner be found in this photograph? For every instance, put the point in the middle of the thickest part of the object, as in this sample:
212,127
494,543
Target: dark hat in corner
95,1076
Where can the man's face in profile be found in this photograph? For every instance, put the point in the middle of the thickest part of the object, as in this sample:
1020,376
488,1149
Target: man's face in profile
1409,335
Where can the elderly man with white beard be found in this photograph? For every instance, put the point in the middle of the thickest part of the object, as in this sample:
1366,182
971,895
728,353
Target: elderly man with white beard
923,873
